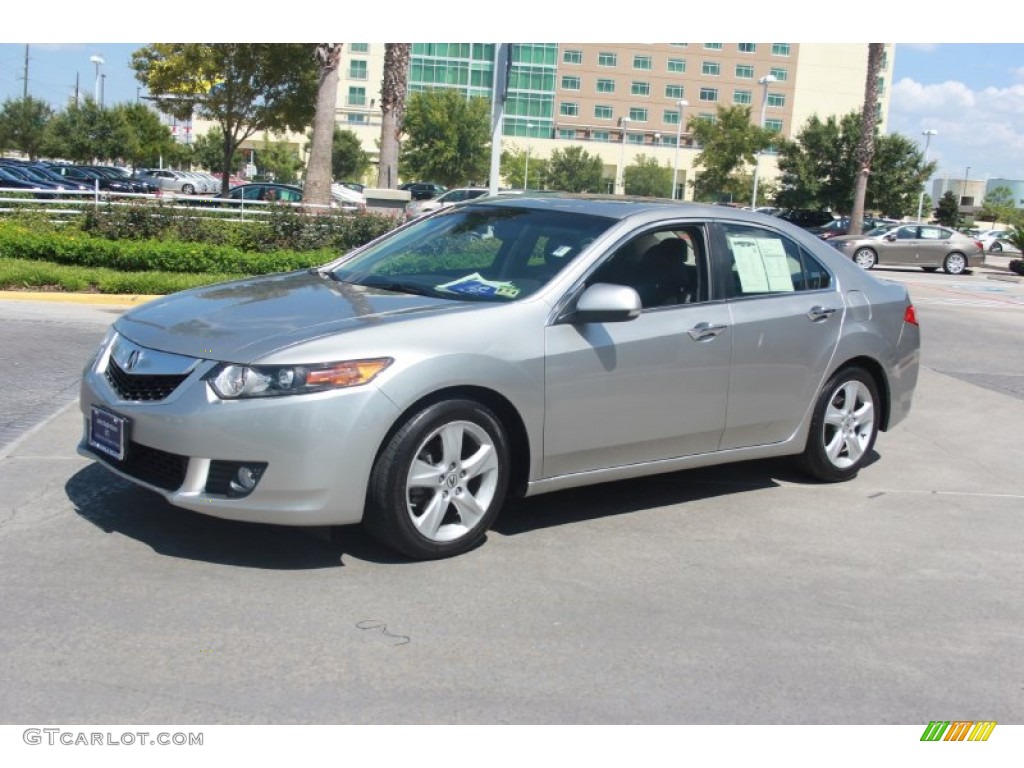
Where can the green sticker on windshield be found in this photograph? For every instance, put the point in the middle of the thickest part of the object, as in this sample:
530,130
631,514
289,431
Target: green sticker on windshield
507,290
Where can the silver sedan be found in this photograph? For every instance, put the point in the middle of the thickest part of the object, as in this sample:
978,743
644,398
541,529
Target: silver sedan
913,245
508,346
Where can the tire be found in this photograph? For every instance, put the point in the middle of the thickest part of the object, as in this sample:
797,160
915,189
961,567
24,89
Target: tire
996,247
440,481
188,189
955,264
865,258
930,269
843,428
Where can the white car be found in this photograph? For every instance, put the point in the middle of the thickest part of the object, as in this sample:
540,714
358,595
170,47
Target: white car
996,241
452,196
347,198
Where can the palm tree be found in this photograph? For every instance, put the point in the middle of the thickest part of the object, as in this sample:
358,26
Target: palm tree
318,172
392,105
866,144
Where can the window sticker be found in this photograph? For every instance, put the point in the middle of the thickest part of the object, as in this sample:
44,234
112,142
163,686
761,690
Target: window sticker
477,285
761,264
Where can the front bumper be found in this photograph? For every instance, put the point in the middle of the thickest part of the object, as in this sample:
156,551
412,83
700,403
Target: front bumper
318,448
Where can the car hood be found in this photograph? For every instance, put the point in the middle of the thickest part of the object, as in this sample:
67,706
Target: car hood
245,320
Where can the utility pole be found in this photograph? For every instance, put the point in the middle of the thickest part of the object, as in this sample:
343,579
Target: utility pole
24,90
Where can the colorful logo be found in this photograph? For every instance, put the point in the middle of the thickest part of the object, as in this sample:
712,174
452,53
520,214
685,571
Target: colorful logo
958,730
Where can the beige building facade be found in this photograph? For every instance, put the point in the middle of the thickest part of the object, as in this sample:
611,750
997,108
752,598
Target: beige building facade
621,100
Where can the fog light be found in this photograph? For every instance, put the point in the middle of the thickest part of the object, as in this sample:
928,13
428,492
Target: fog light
245,479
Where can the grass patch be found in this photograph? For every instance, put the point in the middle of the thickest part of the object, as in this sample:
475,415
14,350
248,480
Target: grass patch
23,274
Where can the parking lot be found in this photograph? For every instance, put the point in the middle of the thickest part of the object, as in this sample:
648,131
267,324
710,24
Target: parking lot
740,594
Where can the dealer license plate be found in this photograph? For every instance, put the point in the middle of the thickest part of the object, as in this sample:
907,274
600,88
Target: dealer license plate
107,432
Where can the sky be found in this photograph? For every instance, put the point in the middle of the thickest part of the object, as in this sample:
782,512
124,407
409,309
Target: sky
971,93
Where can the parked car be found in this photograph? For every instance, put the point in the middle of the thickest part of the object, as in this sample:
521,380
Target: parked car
419,207
507,346
40,173
168,180
805,218
11,178
266,192
423,190
913,245
95,178
997,241
120,174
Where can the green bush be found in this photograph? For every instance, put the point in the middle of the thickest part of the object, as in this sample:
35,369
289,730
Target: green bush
19,273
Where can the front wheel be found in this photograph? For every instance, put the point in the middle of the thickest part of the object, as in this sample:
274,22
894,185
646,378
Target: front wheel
865,258
187,189
955,264
843,428
440,480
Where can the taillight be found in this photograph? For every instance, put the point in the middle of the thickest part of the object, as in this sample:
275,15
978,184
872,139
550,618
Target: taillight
909,315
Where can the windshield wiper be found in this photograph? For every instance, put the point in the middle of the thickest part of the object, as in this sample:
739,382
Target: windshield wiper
400,287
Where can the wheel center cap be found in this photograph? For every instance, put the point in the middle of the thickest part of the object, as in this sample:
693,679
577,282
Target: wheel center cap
452,479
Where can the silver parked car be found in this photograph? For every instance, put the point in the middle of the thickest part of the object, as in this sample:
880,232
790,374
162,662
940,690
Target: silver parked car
913,245
513,345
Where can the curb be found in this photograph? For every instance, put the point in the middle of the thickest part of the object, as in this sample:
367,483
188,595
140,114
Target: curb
109,299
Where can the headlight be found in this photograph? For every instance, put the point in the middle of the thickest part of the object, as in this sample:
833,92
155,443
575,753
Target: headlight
232,381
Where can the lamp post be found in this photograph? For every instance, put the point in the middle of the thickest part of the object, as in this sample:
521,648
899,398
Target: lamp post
620,176
927,141
98,61
679,137
765,81
526,170
963,192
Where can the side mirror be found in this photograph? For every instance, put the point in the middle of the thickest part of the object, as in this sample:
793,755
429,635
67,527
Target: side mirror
606,303
891,238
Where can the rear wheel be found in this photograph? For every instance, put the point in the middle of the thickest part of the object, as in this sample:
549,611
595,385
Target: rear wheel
865,258
996,247
955,264
440,480
188,189
844,426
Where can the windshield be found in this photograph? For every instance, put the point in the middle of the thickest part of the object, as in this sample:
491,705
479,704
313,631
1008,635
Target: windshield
478,252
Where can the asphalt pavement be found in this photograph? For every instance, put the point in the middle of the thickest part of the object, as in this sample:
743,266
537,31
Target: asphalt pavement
739,594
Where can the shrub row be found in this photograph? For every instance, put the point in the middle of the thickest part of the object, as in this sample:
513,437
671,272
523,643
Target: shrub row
74,247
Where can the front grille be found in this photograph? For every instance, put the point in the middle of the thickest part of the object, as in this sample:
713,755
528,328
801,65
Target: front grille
151,465
146,387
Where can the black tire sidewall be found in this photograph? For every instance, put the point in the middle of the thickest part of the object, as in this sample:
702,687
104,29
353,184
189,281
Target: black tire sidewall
387,517
945,264
874,258
814,461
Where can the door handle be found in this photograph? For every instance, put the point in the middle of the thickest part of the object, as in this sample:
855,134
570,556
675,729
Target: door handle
819,313
705,331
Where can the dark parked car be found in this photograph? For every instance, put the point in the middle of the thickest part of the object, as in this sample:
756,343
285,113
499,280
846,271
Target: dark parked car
267,193
10,178
806,218
423,190
93,178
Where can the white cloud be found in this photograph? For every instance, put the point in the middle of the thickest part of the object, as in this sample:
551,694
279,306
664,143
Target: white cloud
981,130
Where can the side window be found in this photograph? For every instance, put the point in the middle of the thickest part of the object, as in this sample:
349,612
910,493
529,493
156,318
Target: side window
666,267
761,262
906,233
933,233
289,196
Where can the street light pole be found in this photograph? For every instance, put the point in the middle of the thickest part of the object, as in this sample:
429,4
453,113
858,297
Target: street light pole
620,176
927,142
98,61
679,134
765,81
526,170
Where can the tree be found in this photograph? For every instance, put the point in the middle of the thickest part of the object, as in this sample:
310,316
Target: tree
728,144
947,212
348,158
998,205
318,172
392,106
519,168
208,150
448,138
150,140
645,177
244,88
866,143
573,169
818,169
23,125
88,132
279,160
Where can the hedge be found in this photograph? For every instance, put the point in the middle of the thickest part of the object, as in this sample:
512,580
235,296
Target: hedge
19,274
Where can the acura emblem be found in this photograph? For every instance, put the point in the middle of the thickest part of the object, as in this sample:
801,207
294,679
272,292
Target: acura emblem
133,360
